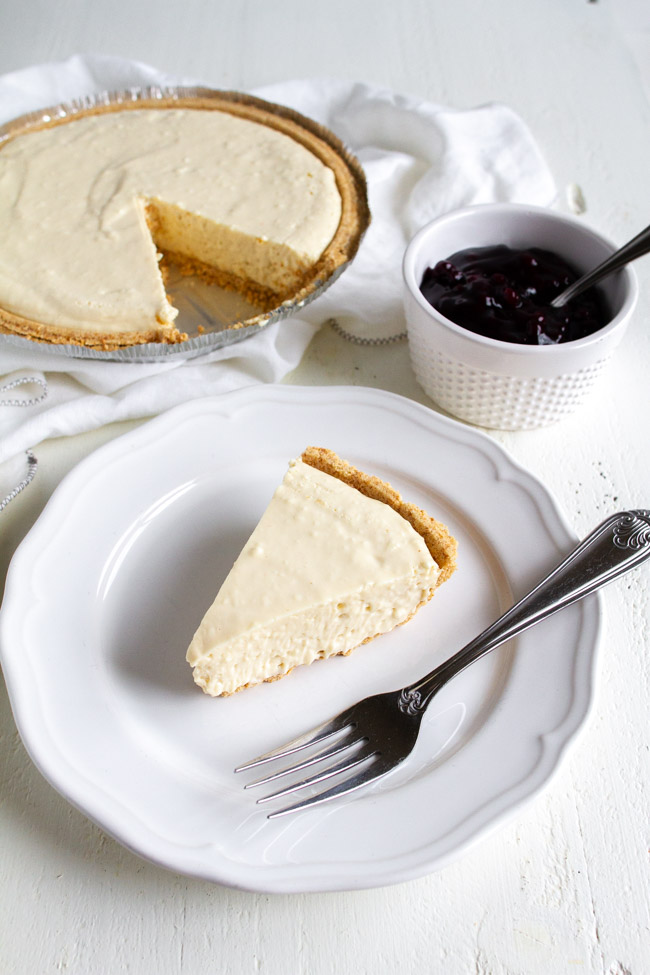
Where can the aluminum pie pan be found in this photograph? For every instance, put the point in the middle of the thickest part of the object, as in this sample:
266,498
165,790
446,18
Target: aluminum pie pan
212,317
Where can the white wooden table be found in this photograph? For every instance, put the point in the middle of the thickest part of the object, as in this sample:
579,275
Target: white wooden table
564,887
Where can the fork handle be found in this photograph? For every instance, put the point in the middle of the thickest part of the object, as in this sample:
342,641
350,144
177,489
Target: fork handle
617,545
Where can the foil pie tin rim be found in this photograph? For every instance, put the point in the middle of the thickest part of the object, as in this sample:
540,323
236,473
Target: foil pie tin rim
209,341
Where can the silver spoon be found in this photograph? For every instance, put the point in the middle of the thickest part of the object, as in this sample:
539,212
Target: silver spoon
629,252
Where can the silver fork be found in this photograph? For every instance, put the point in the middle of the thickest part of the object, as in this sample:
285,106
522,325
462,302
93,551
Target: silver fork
375,736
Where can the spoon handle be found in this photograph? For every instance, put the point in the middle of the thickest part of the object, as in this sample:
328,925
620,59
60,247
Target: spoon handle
636,247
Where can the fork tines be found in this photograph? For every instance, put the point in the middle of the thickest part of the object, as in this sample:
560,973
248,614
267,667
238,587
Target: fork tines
343,730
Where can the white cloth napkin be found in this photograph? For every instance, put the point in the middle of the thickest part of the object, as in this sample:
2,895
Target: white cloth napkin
420,160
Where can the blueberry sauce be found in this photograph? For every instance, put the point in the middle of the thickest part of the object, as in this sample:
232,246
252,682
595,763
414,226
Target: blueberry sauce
506,294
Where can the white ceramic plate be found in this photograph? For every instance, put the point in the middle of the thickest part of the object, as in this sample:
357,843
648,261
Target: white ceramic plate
104,594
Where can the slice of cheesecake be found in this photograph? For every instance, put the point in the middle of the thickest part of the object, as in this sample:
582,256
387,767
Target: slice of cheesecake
336,559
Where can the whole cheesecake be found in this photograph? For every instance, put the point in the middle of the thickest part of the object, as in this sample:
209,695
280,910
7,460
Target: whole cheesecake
95,206
337,558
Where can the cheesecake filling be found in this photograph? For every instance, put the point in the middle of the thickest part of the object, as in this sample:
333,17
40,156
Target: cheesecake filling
265,652
262,269
77,250
325,569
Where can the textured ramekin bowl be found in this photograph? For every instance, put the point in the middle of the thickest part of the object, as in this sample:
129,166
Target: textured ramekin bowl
500,384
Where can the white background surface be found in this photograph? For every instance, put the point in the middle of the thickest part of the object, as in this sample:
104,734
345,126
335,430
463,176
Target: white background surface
564,887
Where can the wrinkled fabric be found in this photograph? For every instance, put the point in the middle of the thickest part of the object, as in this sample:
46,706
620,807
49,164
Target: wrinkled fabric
420,160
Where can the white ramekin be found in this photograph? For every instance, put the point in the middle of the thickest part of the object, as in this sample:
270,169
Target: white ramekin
500,384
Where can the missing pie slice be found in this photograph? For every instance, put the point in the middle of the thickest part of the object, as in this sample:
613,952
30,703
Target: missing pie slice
337,558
